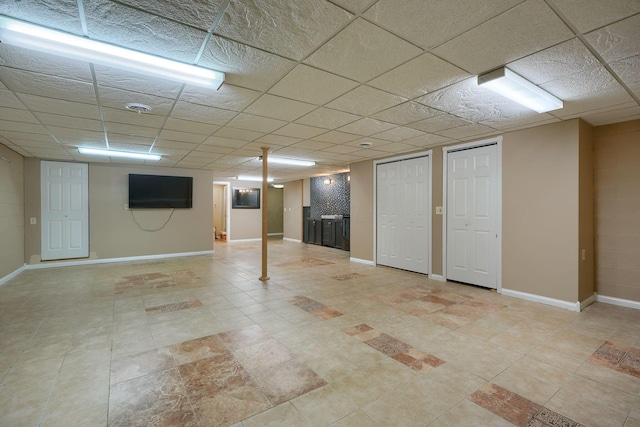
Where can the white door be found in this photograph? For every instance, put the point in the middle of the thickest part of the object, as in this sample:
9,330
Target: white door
472,216
403,205
65,210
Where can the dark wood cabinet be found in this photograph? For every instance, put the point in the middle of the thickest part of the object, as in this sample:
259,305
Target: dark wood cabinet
328,232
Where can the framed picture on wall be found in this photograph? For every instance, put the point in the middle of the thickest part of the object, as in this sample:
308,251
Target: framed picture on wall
245,198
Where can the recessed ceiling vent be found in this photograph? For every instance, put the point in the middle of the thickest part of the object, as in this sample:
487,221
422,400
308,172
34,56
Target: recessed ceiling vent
138,108
365,144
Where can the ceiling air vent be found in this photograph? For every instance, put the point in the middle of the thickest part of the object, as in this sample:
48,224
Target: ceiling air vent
138,108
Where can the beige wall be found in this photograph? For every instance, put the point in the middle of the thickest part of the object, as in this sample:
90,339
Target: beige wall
617,210
362,210
436,220
540,211
245,224
306,192
292,205
113,232
586,234
274,211
12,218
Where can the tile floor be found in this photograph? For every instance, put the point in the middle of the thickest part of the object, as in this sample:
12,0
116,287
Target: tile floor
199,341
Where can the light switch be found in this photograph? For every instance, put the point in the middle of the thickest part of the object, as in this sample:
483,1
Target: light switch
126,205
32,221
438,210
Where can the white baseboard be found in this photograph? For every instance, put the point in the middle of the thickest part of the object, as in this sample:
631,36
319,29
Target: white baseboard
111,260
438,277
586,303
361,261
275,234
289,239
618,301
10,276
245,240
573,306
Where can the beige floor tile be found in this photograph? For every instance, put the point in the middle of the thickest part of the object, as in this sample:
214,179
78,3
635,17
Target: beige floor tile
526,386
394,410
557,359
610,377
282,415
541,370
324,406
589,413
359,419
332,367
598,393
467,413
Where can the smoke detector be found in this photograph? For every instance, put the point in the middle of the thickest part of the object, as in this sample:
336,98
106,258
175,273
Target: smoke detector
138,108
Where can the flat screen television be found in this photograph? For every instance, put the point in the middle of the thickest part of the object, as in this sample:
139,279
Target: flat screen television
157,191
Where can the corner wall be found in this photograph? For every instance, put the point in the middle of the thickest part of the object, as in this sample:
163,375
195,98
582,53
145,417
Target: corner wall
292,204
362,210
617,210
12,218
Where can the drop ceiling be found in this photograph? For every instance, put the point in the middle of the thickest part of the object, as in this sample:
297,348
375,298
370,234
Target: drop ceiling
312,79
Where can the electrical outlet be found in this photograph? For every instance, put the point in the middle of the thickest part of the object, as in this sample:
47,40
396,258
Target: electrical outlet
32,221
438,210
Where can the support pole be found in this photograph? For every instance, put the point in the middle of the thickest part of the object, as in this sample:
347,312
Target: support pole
265,213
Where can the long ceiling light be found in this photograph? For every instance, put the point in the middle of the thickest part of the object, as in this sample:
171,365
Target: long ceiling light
111,153
291,162
510,85
22,34
252,178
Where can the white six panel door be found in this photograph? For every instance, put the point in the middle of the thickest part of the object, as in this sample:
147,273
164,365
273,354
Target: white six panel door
64,210
472,216
402,214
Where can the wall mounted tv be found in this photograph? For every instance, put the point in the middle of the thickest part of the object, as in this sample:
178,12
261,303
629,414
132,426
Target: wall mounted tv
157,191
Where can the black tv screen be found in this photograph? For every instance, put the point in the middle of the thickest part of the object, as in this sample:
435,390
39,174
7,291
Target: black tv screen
156,191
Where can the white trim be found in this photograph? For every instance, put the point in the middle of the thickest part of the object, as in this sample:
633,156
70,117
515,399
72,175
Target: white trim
445,161
361,261
573,306
275,234
227,191
587,302
48,264
10,276
618,301
429,155
289,239
437,277
244,240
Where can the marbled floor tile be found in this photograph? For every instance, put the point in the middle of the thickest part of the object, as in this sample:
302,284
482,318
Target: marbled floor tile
198,349
166,308
304,263
618,357
347,276
287,380
314,307
137,365
508,405
244,337
155,399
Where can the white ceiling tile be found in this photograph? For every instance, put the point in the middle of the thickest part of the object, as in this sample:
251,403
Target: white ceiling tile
44,63
365,100
132,28
279,108
336,137
34,144
290,29
362,51
495,43
60,14
312,145
169,151
341,149
406,113
228,97
628,70
131,147
179,145
296,130
472,130
182,136
135,82
201,113
587,15
582,105
132,118
438,123
199,13
427,140
410,79
293,152
189,126
20,127
311,85
366,127
42,104
133,130
224,142
398,134
327,118
244,65
395,147
429,24
76,136
16,115
9,100
580,84
119,98
69,122
47,86
255,123
216,149
617,41
533,119
278,140
613,116
354,6
16,135
562,60
242,134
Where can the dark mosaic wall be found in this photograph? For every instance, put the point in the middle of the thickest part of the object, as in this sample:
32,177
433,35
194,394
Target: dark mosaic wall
330,199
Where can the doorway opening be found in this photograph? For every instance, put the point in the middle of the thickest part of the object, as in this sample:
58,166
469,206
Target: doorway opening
221,212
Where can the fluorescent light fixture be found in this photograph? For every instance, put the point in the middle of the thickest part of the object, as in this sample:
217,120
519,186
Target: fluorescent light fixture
510,85
292,162
253,178
125,154
22,34
278,185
